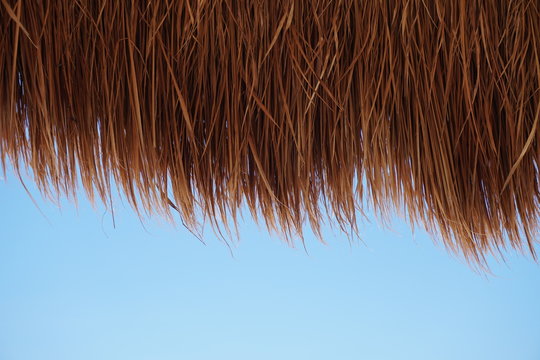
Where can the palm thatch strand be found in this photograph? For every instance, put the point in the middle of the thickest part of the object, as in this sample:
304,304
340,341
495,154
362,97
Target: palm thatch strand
299,109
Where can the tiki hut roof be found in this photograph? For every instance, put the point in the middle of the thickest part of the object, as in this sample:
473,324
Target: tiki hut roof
299,109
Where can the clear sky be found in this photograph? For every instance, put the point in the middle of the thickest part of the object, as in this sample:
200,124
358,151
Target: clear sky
73,287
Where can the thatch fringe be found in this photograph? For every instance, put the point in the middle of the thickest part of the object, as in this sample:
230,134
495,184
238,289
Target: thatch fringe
286,106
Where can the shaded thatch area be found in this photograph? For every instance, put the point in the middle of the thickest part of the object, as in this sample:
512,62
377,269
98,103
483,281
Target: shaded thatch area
286,106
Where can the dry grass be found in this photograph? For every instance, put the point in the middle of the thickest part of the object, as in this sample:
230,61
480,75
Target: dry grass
287,106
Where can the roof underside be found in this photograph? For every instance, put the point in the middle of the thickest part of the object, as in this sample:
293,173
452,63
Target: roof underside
202,107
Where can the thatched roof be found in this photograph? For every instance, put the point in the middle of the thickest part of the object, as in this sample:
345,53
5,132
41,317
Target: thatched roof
286,106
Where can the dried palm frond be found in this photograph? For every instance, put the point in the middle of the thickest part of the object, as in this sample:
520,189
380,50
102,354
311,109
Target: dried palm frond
285,106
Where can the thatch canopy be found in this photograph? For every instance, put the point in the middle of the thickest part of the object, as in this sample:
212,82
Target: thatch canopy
299,109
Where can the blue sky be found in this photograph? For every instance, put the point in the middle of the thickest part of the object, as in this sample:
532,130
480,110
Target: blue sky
72,286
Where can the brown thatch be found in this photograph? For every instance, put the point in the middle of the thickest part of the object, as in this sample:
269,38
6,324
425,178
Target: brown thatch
287,106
